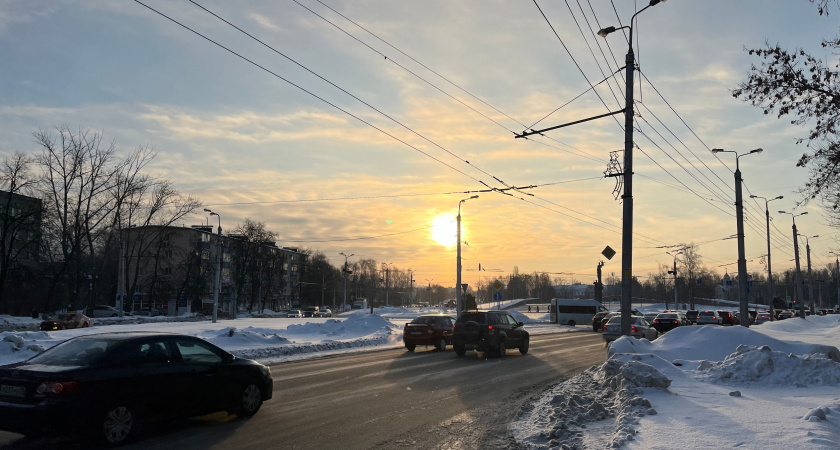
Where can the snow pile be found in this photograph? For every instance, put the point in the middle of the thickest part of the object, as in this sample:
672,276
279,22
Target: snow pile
599,408
751,364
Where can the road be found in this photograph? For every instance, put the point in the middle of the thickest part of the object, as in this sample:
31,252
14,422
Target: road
382,399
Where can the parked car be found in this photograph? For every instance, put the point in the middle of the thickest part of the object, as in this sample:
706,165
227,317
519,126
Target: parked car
429,329
708,318
762,317
310,311
489,331
151,312
728,318
668,321
692,314
784,314
295,313
324,312
111,383
65,321
104,311
639,328
633,312
651,316
596,320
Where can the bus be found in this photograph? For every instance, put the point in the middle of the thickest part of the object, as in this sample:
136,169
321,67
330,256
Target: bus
574,311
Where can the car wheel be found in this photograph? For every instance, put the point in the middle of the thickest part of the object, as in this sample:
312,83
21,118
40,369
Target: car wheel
410,347
572,323
114,315
523,348
500,349
250,400
441,345
460,350
119,424
85,325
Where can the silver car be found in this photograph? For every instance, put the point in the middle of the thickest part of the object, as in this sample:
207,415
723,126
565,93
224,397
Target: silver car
639,328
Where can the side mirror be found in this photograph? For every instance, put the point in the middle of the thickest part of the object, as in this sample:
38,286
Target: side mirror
521,324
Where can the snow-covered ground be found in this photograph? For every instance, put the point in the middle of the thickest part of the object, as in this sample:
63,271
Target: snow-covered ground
773,385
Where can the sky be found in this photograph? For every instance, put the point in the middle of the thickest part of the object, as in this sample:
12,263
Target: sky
359,126
785,375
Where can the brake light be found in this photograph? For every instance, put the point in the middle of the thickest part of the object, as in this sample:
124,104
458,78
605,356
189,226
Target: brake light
490,329
605,327
655,320
633,328
56,387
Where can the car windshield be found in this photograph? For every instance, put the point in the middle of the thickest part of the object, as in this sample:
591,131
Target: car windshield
75,352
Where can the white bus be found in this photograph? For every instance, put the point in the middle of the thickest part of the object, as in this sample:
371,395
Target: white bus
574,311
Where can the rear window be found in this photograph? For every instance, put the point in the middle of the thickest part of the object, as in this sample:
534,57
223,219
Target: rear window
471,317
707,313
425,320
76,352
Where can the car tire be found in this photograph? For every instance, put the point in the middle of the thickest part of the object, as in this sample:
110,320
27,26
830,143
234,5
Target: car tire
410,347
523,347
441,345
115,315
571,323
501,350
250,400
460,350
119,424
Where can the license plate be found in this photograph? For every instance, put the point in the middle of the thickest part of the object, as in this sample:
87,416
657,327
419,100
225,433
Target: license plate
12,391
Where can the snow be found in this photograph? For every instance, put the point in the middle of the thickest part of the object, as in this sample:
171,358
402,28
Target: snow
773,385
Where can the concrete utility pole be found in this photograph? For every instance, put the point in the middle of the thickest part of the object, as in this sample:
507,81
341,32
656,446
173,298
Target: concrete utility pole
459,305
217,285
810,278
837,279
769,269
742,259
676,299
800,297
345,271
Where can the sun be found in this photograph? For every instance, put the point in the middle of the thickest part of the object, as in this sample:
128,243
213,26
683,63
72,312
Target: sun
443,230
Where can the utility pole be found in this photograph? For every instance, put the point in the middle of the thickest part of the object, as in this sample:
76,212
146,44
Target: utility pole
810,278
769,268
459,305
799,295
345,271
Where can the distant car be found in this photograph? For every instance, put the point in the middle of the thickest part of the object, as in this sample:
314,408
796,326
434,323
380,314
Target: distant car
325,312
295,313
489,331
633,312
151,312
310,311
762,317
727,318
668,321
692,314
104,311
708,318
785,314
639,328
596,320
430,329
66,321
111,383
650,317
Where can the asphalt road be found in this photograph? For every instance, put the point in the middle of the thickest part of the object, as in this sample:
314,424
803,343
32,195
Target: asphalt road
383,399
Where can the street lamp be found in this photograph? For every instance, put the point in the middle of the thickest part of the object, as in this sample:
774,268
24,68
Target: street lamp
217,286
387,281
769,269
344,303
798,291
458,303
627,198
739,208
676,305
429,280
810,279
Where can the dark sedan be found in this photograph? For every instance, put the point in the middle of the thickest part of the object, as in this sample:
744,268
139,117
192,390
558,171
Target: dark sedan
109,384
430,329
668,321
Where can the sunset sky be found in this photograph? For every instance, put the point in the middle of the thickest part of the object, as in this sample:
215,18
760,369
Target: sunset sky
417,109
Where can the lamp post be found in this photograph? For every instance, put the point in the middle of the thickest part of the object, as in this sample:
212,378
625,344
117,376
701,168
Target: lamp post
798,281
627,198
675,278
739,209
459,306
769,269
810,278
344,302
387,281
217,285
429,281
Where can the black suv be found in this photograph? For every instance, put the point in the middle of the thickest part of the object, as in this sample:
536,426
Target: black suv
489,331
